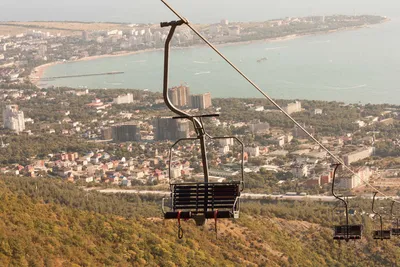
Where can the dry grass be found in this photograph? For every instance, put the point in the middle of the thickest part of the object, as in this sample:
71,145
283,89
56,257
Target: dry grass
10,30
17,29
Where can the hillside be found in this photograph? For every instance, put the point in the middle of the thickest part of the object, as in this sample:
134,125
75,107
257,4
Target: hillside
55,27
50,223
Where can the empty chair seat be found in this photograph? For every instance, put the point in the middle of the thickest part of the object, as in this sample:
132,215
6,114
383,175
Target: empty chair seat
205,199
384,234
347,232
396,231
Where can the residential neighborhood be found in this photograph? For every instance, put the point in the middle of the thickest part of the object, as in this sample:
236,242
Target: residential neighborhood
130,147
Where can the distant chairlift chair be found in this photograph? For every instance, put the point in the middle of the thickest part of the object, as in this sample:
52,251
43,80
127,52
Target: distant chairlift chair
205,200
345,232
396,230
380,234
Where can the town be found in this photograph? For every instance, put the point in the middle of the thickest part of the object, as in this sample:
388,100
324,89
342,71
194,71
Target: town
123,137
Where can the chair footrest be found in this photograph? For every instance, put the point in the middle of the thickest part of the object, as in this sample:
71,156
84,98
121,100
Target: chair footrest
223,214
174,215
350,237
220,214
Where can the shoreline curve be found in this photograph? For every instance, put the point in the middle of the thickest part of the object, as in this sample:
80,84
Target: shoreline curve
38,72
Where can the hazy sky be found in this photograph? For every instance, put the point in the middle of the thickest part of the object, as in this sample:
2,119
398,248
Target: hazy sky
145,11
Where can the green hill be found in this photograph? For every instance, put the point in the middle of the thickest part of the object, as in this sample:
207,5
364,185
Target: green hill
50,223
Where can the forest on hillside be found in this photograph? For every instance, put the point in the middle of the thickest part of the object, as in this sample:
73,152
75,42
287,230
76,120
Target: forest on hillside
46,222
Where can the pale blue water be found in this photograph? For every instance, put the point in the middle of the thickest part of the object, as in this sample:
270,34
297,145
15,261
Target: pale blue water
351,66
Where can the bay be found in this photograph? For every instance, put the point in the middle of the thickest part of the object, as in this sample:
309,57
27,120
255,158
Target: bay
352,66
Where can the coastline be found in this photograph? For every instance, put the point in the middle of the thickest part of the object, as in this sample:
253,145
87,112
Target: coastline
38,72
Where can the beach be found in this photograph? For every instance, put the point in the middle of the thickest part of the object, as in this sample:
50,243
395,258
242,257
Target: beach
38,72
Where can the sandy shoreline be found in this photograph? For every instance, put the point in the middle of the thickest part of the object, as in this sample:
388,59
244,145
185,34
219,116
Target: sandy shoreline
37,72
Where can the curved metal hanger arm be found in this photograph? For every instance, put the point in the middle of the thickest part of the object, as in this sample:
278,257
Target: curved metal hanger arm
198,125
391,214
391,209
380,216
337,197
181,113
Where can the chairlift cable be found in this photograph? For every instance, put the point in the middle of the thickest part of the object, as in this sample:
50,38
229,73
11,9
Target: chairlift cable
185,21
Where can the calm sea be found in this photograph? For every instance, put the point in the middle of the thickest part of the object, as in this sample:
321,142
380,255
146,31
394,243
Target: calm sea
351,66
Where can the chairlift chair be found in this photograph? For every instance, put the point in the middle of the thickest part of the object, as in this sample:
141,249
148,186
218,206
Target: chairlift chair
381,233
198,200
345,231
348,232
396,229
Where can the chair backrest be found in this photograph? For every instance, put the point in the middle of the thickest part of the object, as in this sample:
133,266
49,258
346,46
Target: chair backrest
384,234
395,231
198,197
348,231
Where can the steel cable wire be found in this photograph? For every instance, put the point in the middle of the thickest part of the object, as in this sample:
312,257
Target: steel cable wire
272,101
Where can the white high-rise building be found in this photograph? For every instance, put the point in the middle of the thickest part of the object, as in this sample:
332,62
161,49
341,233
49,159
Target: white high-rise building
226,142
253,151
42,50
148,36
224,22
293,107
361,177
13,118
123,99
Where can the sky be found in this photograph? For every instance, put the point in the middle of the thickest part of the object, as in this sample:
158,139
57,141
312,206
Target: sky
204,11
